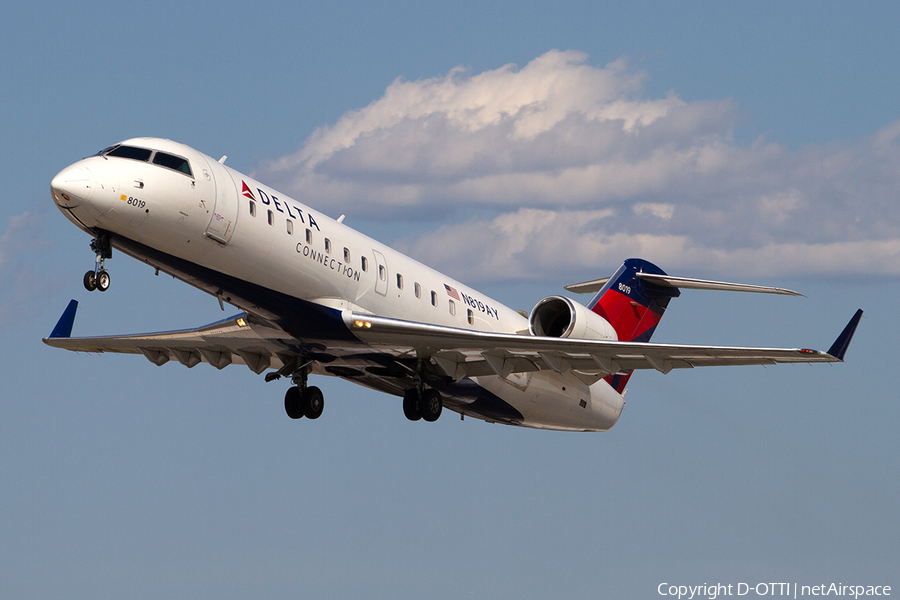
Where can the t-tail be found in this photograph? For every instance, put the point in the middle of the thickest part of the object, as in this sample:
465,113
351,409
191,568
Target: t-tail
633,306
634,299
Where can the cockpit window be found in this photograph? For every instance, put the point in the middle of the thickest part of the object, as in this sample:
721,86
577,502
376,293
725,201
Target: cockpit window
142,154
163,159
173,162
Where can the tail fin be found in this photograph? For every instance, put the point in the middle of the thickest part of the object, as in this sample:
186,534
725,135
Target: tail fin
632,306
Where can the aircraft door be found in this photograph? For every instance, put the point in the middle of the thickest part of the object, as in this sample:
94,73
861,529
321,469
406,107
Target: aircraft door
381,273
225,206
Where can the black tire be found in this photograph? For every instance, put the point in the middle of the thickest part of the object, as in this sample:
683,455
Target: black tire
90,284
411,404
431,405
292,403
103,281
313,402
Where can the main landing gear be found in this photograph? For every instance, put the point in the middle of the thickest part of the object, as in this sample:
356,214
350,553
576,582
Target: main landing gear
308,402
426,404
98,278
419,402
302,400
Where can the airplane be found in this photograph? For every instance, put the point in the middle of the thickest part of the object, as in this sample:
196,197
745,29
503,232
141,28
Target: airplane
319,298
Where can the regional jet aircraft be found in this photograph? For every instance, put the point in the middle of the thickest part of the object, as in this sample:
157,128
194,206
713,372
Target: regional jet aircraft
318,298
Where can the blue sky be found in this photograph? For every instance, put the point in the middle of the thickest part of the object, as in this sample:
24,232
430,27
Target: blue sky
519,147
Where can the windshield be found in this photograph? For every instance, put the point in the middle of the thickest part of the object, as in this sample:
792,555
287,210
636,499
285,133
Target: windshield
142,154
163,159
173,162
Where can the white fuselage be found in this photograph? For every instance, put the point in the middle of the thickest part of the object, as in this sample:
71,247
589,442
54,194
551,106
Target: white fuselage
227,222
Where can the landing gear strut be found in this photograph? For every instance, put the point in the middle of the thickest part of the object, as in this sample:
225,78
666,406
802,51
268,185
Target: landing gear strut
99,279
302,400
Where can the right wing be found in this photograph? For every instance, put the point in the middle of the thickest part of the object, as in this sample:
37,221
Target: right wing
465,353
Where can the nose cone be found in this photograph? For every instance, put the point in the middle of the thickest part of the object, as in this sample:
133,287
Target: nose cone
72,186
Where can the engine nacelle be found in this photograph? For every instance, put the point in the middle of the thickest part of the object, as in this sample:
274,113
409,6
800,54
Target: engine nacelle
556,316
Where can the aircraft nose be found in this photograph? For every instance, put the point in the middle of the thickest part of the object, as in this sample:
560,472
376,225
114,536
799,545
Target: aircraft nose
72,186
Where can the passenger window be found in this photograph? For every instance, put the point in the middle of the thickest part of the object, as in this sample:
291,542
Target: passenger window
172,162
252,208
142,154
382,274
309,236
418,290
470,316
364,262
290,227
433,298
452,307
399,281
327,245
346,255
271,218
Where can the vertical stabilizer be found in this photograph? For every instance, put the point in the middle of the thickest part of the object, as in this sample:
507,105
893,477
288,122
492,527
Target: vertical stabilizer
632,306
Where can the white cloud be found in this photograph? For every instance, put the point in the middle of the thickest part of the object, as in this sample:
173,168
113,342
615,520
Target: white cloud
585,170
662,211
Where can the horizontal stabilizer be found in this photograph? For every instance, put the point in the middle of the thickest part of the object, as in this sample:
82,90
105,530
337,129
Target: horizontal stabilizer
63,327
590,287
840,345
587,287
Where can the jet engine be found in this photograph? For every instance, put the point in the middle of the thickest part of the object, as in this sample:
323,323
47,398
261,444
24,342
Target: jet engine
556,316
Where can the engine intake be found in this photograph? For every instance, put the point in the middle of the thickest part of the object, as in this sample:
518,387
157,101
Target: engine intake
556,316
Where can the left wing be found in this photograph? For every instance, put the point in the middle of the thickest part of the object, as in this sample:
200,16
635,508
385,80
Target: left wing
241,339
463,353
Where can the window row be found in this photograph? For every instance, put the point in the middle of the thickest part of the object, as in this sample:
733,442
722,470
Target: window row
417,290
308,236
364,263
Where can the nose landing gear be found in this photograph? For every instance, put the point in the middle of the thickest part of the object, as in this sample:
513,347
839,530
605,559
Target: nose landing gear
98,278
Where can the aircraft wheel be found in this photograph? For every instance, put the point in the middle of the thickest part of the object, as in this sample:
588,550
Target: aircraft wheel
313,402
411,404
431,405
292,403
103,281
90,283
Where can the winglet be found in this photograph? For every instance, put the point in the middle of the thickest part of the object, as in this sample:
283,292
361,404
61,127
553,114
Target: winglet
63,327
840,345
